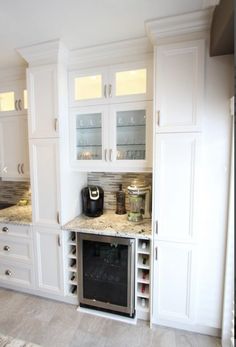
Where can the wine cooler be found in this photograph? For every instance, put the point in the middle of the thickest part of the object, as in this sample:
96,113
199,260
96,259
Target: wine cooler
106,270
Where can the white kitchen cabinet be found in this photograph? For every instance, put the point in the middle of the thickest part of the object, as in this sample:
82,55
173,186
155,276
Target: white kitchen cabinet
14,148
111,84
13,98
43,101
174,283
179,86
112,137
44,181
176,186
48,248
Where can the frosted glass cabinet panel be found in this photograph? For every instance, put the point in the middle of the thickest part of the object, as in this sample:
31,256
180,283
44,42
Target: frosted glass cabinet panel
88,87
7,101
131,82
131,135
89,136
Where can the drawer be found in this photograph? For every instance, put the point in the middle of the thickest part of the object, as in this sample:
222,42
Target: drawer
15,230
16,274
15,250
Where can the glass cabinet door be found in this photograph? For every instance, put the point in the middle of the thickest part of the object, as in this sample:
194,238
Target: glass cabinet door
7,101
88,136
131,135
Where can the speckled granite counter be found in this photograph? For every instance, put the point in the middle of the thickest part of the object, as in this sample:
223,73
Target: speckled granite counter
21,215
110,224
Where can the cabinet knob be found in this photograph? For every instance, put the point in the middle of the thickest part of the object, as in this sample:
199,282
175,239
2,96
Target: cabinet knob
110,91
105,91
19,105
18,168
8,273
5,229
22,168
6,248
16,105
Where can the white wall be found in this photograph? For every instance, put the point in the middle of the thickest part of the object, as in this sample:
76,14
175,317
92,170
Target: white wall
216,137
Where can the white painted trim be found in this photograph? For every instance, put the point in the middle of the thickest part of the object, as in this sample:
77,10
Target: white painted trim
173,26
48,52
115,51
12,74
209,3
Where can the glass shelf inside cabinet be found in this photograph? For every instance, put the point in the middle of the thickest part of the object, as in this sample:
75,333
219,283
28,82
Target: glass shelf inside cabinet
89,136
131,135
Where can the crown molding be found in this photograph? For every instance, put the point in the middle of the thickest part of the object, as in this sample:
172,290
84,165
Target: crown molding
115,51
13,74
49,52
188,24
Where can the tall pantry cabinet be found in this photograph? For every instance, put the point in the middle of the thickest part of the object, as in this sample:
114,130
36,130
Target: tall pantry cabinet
47,89
178,94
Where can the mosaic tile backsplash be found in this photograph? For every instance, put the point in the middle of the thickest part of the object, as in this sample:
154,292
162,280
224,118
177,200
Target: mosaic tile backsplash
12,192
110,183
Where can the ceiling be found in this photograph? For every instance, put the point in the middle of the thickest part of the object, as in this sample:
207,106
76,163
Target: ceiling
78,23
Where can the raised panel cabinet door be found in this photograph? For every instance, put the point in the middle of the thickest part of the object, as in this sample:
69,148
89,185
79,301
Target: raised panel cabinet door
49,260
177,186
44,181
15,152
179,86
43,101
174,283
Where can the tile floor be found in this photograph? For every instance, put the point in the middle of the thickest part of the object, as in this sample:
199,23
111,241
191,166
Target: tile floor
53,324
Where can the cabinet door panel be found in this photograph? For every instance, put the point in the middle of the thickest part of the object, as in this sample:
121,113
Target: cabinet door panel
49,260
179,86
42,98
176,188
174,288
44,156
12,101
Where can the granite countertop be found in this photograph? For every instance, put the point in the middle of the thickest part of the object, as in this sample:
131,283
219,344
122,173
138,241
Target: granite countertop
110,224
21,215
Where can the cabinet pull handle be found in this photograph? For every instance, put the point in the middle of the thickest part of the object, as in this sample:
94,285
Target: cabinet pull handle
111,155
8,273
105,90
16,105
59,240
157,227
110,91
55,123
18,168
158,118
58,218
5,229
19,104
156,253
6,248
105,154
22,168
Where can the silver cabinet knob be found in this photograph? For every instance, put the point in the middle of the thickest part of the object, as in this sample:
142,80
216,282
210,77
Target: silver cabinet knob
8,273
6,248
5,229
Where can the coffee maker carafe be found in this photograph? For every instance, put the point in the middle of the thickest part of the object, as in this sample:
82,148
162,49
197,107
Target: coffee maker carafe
139,199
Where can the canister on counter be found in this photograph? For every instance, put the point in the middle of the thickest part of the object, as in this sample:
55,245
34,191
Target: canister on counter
120,201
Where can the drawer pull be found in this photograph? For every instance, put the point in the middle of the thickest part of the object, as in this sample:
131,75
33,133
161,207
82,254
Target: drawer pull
8,273
5,229
6,248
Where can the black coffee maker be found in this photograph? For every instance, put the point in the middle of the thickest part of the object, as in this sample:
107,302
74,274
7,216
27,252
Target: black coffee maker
92,200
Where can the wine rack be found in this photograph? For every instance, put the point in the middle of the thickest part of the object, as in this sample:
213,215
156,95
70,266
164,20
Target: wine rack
72,272
143,279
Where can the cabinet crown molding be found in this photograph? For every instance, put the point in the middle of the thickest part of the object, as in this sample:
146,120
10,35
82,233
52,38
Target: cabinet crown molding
188,24
44,53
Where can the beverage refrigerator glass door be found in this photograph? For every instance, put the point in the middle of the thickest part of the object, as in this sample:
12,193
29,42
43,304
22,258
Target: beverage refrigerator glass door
106,270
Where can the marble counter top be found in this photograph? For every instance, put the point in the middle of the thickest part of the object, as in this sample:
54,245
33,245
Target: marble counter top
110,224
21,215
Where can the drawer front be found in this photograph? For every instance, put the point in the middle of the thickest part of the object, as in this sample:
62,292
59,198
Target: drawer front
15,230
16,250
16,274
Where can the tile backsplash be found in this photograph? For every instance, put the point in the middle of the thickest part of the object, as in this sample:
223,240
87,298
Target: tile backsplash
12,192
110,183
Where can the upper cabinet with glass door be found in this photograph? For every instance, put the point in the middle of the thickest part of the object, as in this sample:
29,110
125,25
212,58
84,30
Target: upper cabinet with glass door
115,84
13,98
